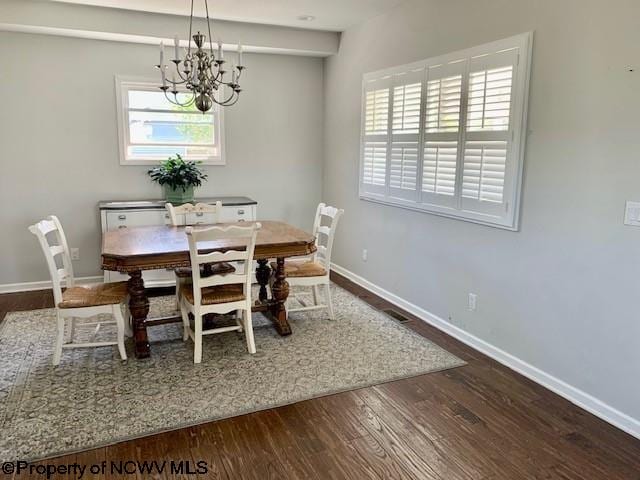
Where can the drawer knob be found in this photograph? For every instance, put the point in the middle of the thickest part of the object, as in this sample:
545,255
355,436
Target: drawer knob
240,211
122,226
122,217
199,214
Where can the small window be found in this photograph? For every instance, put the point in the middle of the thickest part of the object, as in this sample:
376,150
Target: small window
446,135
151,128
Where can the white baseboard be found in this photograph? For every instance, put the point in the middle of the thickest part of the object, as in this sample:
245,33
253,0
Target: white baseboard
574,395
43,285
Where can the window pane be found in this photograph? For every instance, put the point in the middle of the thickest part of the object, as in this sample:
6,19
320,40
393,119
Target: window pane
443,104
377,112
489,99
375,163
439,167
485,165
171,128
143,99
406,108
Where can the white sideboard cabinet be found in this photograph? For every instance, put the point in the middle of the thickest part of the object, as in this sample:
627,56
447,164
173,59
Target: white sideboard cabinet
139,213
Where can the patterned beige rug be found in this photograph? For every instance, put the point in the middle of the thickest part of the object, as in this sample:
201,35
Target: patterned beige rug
93,399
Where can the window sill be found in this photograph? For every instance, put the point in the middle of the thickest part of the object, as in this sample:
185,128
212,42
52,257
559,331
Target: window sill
156,161
472,217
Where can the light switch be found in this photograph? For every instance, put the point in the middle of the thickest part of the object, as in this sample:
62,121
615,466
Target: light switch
632,214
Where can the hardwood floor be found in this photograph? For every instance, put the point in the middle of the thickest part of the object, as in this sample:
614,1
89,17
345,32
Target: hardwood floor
477,422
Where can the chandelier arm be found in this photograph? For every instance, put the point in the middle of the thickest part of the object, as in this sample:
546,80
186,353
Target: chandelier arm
176,102
226,102
230,103
183,78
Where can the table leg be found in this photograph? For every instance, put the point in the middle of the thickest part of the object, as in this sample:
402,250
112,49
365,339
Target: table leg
139,308
280,292
263,273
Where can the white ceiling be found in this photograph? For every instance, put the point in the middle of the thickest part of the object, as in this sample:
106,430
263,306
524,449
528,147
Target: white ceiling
332,15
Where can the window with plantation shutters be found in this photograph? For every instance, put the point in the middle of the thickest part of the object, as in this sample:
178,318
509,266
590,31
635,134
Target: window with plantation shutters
446,135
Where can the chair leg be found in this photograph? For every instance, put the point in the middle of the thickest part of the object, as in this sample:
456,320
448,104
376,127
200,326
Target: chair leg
239,319
178,285
316,294
329,303
72,329
128,320
185,324
197,352
117,314
248,330
57,349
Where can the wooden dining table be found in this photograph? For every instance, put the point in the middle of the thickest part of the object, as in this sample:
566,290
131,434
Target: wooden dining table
132,250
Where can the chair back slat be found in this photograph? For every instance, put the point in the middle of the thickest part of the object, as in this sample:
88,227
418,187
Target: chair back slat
46,226
44,230
213,212
56,250
321,251
324,229
200,239
228,256
222,279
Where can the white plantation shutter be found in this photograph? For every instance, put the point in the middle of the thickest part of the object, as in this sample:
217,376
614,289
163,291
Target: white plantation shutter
488,132
443,118
405,134
375,136
446,135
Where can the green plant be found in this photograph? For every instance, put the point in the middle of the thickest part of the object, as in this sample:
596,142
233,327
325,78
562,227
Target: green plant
176,173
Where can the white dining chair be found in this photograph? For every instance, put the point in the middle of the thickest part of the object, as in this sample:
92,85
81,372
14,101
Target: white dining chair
200,213
314,271
79,302
220,293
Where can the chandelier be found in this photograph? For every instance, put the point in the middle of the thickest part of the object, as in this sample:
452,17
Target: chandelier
200,78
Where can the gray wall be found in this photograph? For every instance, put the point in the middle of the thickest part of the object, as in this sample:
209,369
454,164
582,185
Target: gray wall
60,147
562,292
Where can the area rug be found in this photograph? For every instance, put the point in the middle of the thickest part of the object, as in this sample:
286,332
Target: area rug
93,399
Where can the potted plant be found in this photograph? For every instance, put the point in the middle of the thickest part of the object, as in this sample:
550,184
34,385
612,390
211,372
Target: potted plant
178,179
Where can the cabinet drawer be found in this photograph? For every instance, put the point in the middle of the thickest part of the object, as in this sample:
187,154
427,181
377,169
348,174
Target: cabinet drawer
236,214
200,218
136,218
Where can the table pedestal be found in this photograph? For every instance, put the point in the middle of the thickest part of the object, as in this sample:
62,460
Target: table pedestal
273,308
139,308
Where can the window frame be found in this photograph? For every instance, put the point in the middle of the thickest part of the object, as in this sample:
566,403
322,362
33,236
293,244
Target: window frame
122,86
458,208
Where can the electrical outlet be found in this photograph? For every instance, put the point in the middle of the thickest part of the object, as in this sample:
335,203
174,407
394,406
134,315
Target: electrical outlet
364,255
75,254
632,213
473,302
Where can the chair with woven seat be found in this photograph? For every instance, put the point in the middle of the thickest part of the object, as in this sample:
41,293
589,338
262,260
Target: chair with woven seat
78,302
314,271
197,214
221,293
